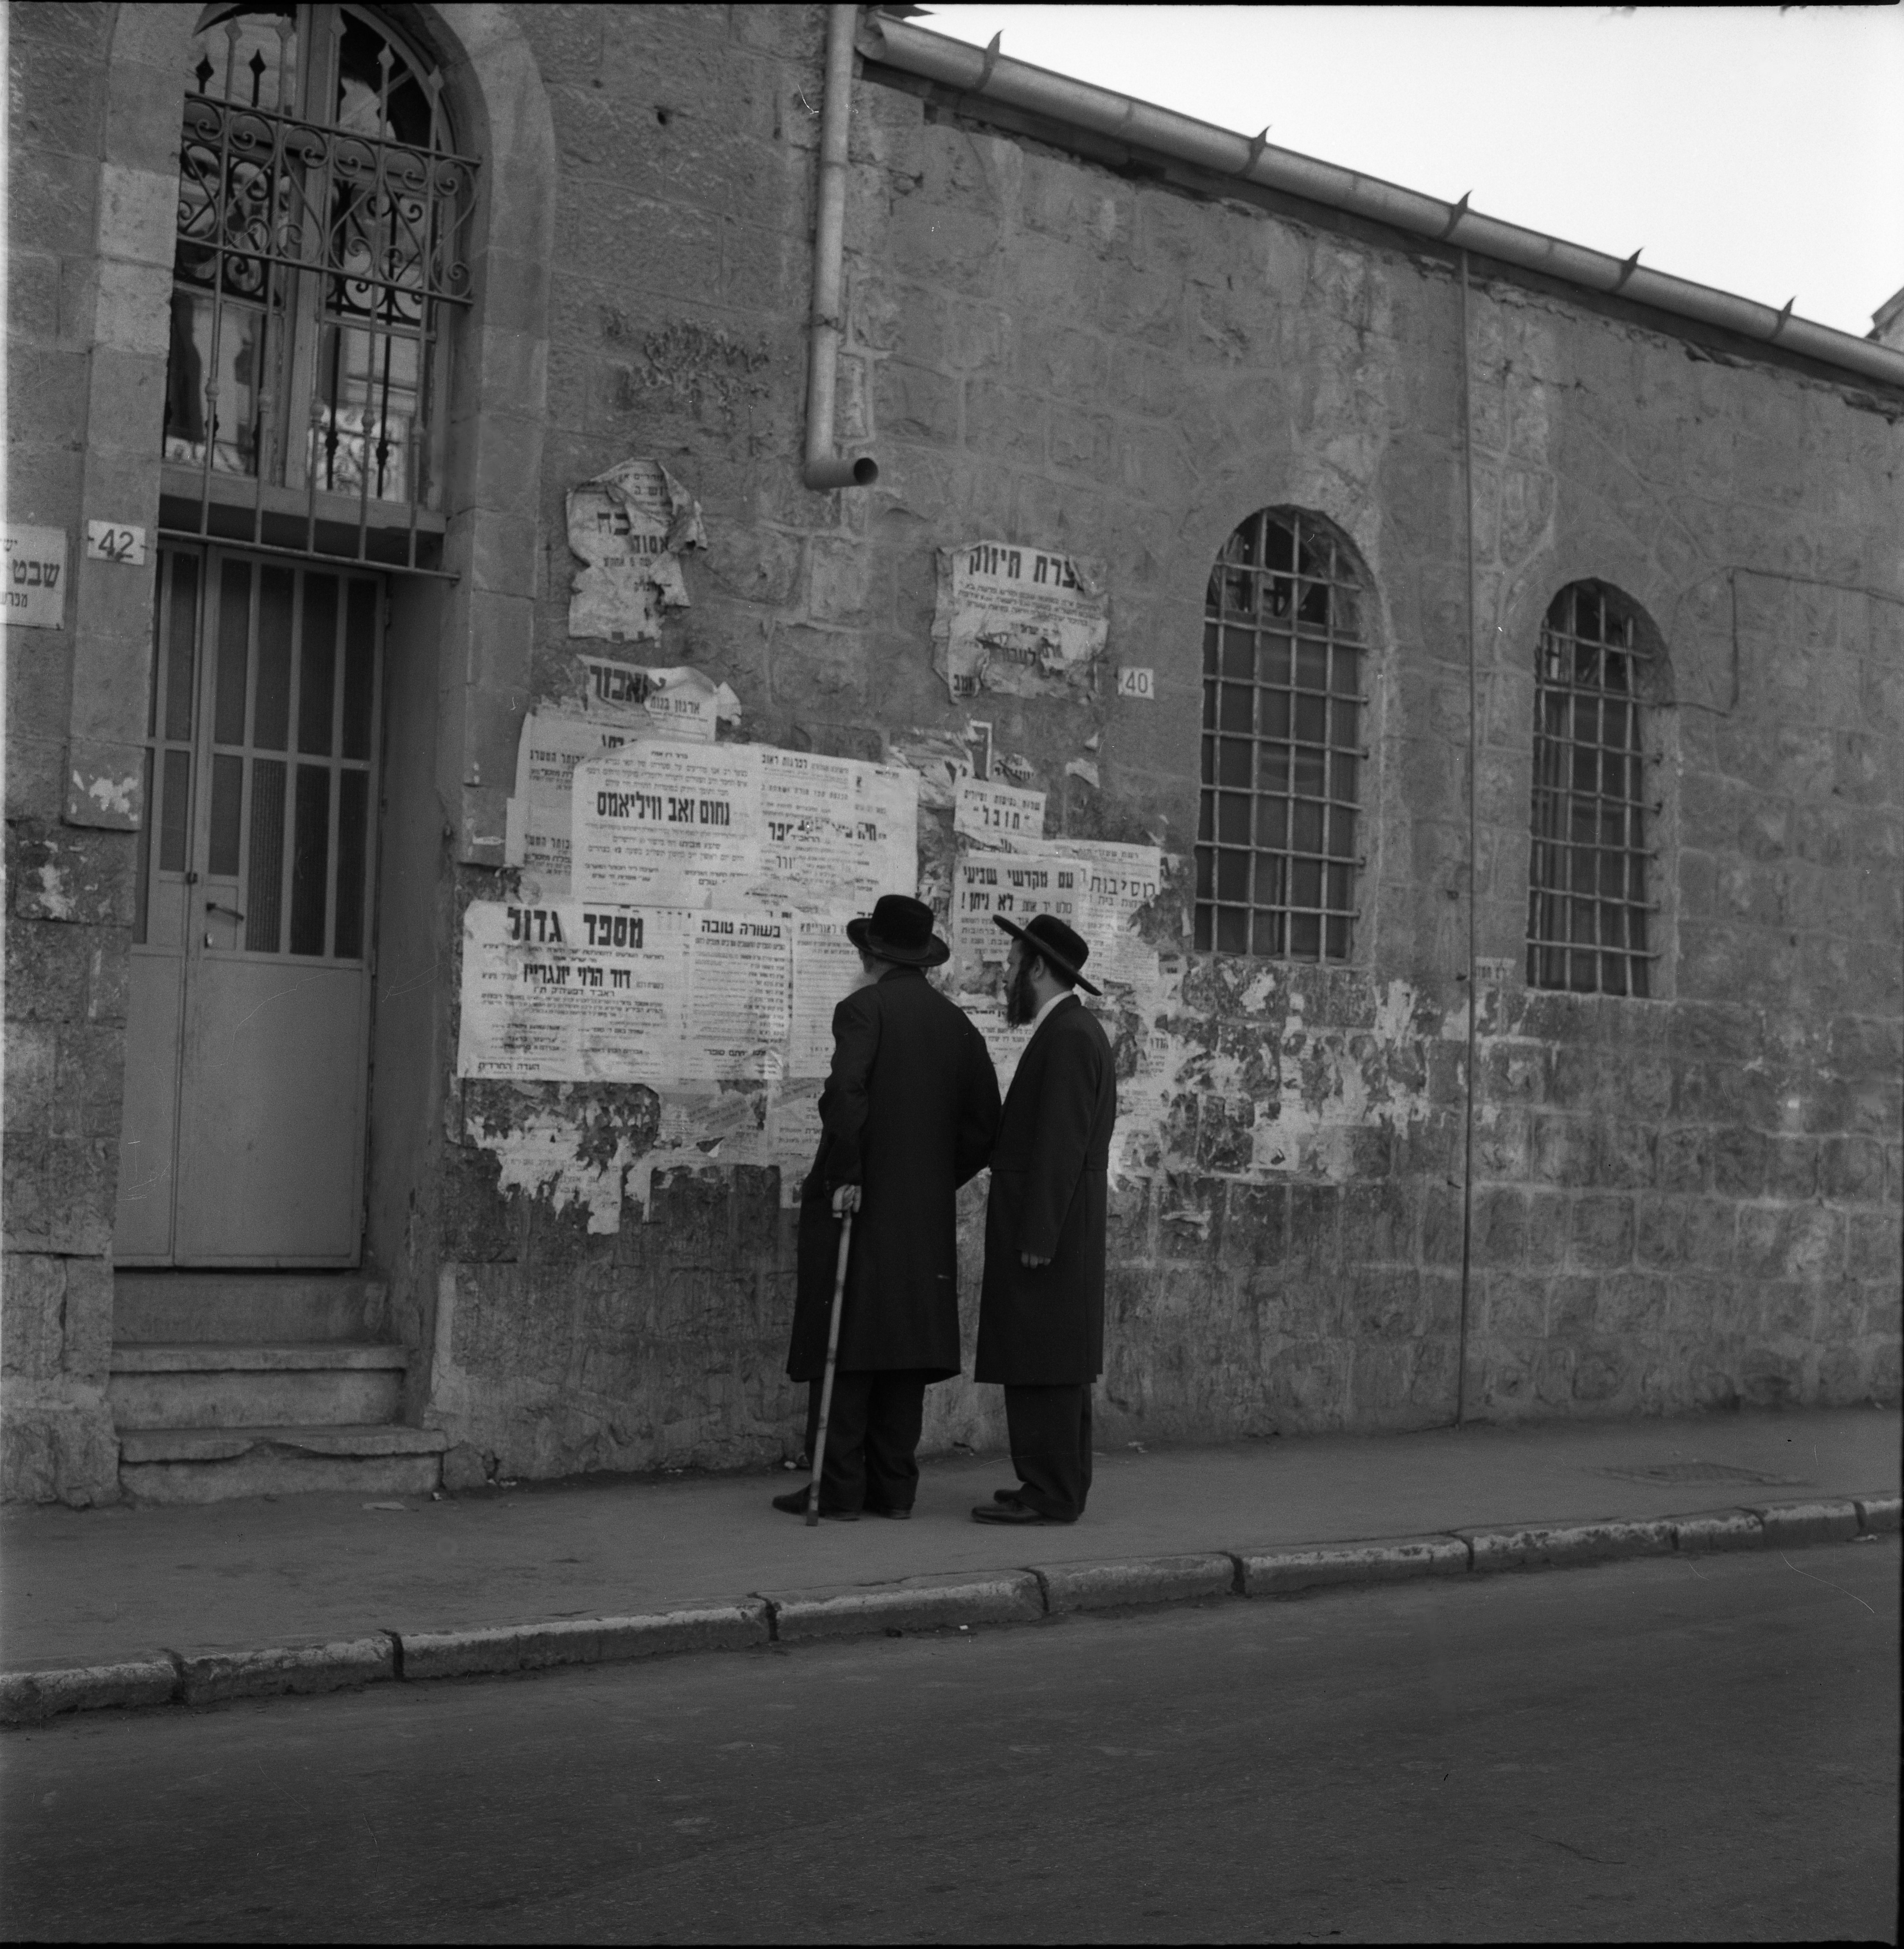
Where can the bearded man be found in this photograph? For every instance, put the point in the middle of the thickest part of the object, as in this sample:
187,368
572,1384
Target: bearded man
1041,1309
908,1115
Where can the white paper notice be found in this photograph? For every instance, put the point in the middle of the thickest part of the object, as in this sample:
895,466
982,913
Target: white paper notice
1018,620
1116,881
836,833
682,705
537,837
827,968
628,527
561,992
667,824
998,813
1014,885
739,974
794,1136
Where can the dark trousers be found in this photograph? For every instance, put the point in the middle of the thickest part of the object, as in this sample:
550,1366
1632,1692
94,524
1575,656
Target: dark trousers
1050,1432
871,1436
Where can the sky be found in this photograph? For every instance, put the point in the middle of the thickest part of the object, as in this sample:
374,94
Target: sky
1760,150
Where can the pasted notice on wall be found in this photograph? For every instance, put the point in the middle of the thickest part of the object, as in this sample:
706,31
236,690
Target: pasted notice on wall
682,704
35,577
536,820
630,528
568,992
997,814
1021,620
692,826
1095,887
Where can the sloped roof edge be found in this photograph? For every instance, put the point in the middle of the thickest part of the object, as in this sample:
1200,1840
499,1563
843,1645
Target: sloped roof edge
995,77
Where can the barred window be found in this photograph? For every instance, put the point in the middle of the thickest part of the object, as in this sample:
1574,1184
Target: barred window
323,214
1282,748
1587,903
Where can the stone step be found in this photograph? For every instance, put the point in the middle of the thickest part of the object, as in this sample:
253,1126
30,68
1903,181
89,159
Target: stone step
203,1464
227,1307
318,1384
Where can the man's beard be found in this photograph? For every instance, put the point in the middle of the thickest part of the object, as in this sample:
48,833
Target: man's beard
1020,1001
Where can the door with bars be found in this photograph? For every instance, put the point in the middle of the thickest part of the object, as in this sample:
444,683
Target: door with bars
247,1035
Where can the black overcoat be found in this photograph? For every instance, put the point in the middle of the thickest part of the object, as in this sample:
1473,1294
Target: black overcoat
909,1113
1045,1327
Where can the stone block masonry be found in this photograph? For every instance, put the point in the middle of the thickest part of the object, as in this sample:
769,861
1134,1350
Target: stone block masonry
1689,1200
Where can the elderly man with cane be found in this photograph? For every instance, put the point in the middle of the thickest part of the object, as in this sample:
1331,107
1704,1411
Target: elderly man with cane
1041,1310
908,1115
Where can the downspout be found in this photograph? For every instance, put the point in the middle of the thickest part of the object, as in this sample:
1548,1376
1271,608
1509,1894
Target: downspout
824,468
1473,843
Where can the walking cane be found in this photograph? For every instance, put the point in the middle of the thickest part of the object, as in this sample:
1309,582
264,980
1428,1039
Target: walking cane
832,1355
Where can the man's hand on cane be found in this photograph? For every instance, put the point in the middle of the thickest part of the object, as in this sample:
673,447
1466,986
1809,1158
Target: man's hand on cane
846,1197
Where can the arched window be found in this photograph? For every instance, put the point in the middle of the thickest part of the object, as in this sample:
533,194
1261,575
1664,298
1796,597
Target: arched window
1283,652
1587,904
321,239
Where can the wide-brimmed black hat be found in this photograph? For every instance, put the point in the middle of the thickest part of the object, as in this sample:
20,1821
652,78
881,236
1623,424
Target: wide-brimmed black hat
899,929
1051,940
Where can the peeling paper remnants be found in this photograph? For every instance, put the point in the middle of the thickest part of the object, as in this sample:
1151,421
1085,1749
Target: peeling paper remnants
680,703
117,795
1019,620
629,527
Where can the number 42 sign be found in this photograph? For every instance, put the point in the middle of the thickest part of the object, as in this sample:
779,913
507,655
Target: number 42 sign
115,541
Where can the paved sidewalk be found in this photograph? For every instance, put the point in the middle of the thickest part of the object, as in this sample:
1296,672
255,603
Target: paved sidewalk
95,1587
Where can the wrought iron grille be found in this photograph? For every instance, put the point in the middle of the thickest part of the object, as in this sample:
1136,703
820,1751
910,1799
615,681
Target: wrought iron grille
1587,904
1277,856
323,220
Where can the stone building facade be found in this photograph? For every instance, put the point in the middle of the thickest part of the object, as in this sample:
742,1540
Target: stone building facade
1377,1188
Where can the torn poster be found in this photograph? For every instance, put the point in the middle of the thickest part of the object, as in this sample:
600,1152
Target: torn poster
536,835
997,814
681,703
827,969
629,527
1019,620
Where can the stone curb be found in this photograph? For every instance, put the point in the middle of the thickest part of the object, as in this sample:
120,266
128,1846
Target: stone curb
914,1604
1140,1580
504,1648
1283,1572
925,1603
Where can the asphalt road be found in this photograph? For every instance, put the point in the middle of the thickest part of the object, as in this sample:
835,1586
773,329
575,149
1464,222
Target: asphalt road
1692,1750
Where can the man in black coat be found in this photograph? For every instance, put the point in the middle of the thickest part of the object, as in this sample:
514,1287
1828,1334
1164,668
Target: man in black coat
1041,1327
908,1115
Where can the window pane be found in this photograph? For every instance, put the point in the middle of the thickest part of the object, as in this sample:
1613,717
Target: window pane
264,883
1312,720
1232,876
175,813
1234,713
1312,666
1232,931
1273,665
317,669
1206,868
310,859
272,729
1234,762
228,809
1272,712
353,832
1306,827
142,893
1239,654
182,640
1233,818
234,646
1306,937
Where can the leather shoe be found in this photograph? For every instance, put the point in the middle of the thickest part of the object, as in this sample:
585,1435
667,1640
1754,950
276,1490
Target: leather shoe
1020,1513
794,1504
891,1515
1008,1495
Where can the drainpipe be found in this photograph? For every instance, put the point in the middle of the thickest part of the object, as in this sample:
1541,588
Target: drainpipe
824,467
1473,843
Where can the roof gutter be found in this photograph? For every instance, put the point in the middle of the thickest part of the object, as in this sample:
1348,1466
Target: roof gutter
985,72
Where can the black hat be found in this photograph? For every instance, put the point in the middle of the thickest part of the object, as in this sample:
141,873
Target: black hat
1052,941
898,929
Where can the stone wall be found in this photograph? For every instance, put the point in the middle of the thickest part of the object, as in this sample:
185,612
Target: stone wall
1684,1201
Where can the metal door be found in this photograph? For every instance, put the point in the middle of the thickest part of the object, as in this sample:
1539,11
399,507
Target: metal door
247,1031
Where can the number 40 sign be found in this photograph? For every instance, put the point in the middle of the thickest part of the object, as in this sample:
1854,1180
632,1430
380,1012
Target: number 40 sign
115,541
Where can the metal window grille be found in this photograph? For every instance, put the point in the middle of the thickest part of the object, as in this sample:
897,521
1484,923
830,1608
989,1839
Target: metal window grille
1587,905
1282,745
322,240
